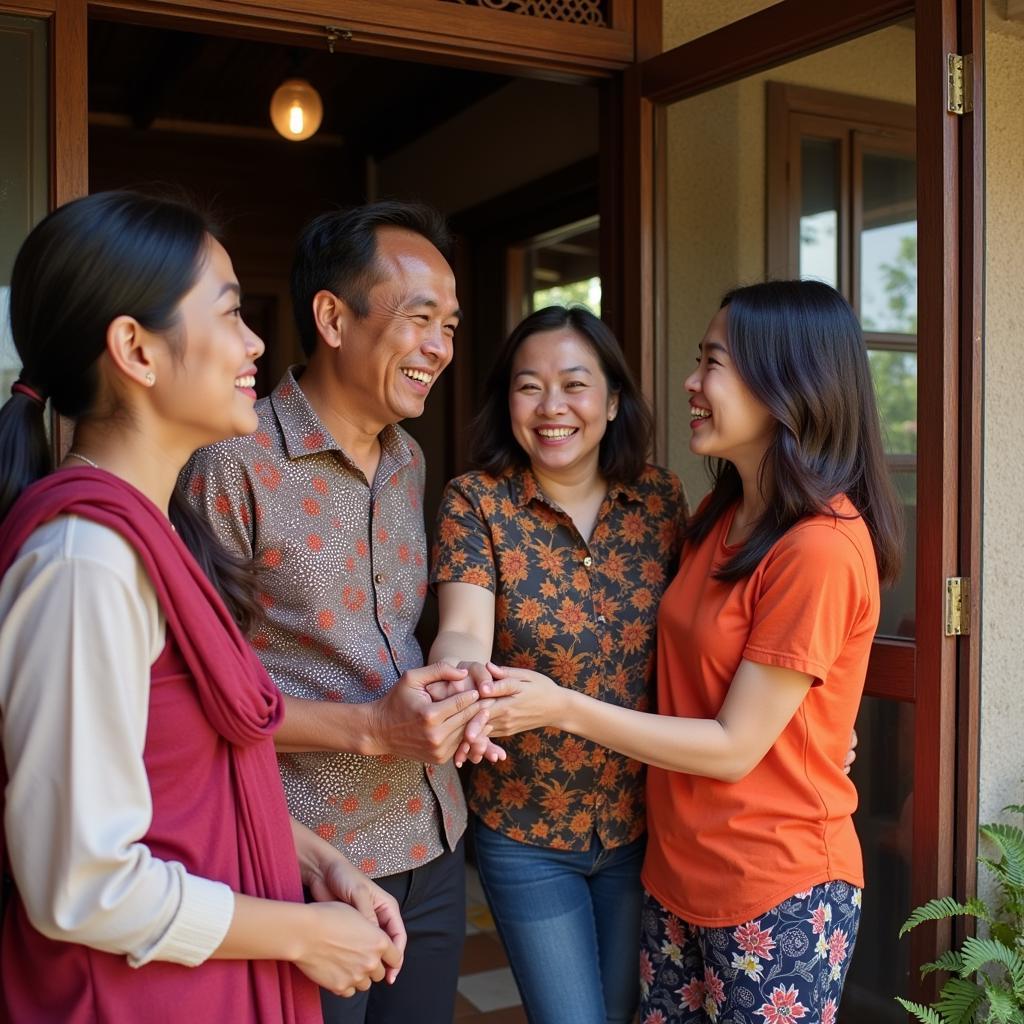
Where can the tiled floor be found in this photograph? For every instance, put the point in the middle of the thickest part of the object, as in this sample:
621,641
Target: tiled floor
487,990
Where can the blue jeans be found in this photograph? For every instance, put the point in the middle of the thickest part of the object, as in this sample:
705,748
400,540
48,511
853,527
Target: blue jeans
569,921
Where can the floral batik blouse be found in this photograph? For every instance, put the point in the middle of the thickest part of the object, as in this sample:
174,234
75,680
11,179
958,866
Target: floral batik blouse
581,611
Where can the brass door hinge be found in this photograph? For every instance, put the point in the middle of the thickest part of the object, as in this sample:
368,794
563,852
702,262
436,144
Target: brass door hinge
959,83
958,605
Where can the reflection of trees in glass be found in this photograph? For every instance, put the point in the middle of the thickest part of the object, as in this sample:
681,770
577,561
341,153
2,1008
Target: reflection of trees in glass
577,293
818,253
895,378
899,282
895,373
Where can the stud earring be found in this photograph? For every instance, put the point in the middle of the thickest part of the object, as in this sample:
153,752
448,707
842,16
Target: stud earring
150,378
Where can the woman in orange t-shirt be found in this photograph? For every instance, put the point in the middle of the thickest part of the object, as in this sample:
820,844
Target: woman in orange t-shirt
753,870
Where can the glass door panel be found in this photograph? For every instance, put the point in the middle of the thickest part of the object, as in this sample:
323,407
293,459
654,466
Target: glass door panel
884,773
24,157
859,179
820,205
885,296
887,239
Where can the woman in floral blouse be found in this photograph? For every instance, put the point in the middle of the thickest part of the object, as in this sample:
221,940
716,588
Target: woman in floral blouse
553,556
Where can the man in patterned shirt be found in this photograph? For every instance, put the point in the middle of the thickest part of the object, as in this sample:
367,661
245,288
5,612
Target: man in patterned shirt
327,497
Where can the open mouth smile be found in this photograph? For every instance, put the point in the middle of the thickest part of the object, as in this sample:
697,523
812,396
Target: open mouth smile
418,376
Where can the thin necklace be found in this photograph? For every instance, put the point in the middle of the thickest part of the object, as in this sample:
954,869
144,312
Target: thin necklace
89,462
78,455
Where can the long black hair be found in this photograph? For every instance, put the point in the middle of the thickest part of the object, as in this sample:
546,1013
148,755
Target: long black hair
107,255
627,440
798,347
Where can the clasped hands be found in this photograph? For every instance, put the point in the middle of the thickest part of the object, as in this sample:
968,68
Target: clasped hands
503,701
509,701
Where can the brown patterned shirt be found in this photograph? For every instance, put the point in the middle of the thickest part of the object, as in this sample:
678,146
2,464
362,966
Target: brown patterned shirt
344,582
583,613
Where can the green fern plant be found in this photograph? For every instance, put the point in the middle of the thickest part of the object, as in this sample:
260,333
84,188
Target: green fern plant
986,975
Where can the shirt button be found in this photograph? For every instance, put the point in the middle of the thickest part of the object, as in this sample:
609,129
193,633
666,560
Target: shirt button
378,577
588,561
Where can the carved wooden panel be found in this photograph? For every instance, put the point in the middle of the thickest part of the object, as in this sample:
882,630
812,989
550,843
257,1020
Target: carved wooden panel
577,12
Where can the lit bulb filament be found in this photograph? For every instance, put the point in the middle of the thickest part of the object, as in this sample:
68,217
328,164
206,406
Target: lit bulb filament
295,119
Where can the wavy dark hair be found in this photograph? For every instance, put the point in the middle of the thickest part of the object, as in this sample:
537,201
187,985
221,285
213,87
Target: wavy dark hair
798,347
90,261
624,447
337,252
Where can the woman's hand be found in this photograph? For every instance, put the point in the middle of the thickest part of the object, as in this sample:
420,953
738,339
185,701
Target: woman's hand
330,876
332,943
524,700
342,951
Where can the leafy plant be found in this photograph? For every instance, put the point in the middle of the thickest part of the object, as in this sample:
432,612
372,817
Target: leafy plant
986,975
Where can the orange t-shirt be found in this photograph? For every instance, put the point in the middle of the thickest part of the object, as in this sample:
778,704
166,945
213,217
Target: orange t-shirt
721,854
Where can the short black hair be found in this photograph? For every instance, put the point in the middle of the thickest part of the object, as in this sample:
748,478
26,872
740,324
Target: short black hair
627,441
337,252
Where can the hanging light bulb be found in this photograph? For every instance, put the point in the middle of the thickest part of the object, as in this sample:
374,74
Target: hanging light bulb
296,109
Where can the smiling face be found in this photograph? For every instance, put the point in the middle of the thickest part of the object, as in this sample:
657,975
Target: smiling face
205,386
390,359
559,403
726,420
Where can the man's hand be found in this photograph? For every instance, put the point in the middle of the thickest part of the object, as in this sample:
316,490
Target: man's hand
410,724
851,754
476,745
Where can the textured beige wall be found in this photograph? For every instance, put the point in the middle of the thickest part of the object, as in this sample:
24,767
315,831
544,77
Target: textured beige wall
1002,642
683,20
716,195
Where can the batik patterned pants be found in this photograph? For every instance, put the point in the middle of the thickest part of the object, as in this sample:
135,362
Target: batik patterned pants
787,965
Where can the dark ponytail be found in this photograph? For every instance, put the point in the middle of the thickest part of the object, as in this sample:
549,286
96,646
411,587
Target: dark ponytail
107,255
24,446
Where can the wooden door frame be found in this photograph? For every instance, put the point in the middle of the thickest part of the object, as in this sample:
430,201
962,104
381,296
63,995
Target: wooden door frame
68,110
453,34
972,313
68,102
945,761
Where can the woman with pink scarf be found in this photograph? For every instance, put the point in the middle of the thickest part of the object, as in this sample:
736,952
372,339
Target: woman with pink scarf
155,872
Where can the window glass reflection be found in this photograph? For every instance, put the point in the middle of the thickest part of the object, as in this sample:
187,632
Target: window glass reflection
819,210
24,164
888,244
